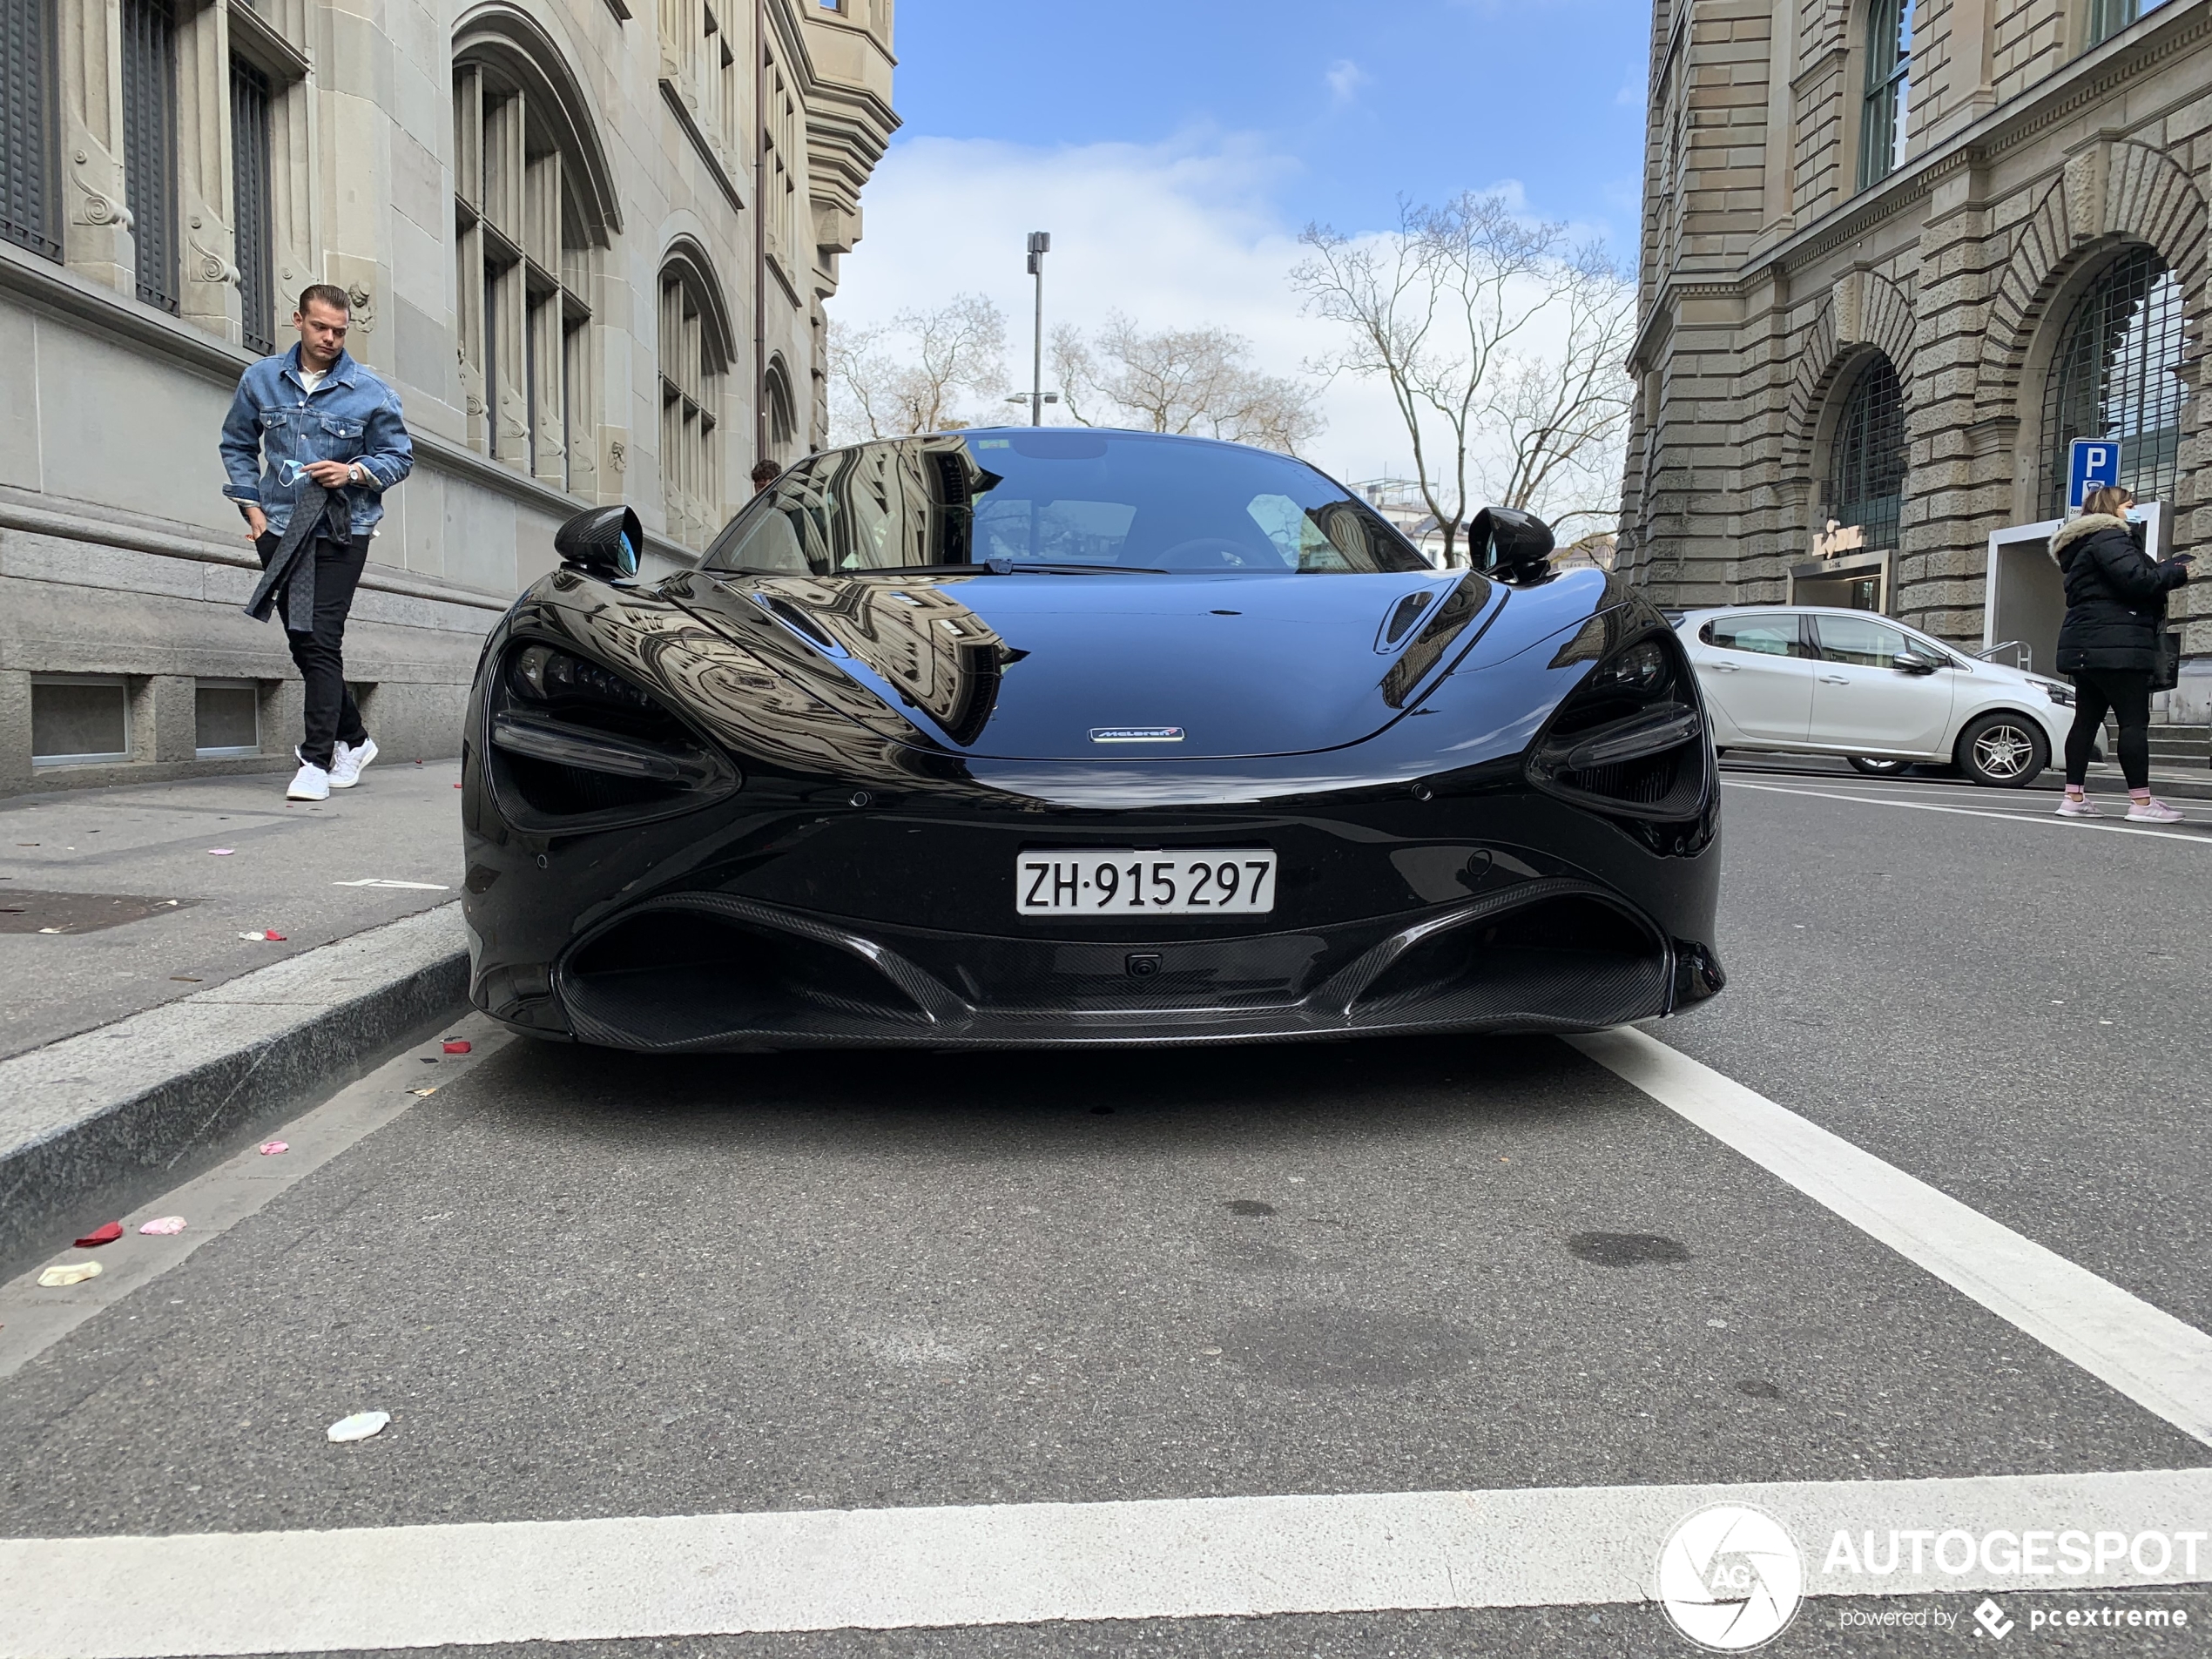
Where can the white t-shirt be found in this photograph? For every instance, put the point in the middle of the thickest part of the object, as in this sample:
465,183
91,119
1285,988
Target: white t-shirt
312,378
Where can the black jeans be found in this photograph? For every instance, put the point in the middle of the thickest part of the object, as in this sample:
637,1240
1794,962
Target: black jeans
2126,692
319,645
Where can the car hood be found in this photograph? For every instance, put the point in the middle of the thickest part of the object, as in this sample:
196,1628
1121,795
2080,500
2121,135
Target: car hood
1042,667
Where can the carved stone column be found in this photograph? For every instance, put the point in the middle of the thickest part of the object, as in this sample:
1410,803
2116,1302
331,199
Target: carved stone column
95,237
211,296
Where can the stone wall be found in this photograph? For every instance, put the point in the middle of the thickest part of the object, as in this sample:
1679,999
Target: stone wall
120,556
2032,165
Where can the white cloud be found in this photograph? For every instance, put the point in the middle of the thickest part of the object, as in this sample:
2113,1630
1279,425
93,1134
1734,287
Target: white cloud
1346,79
1177,235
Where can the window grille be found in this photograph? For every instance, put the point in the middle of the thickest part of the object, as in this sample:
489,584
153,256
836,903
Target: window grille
250,100
150,144
1866,487
28,147
2118,374
1883,115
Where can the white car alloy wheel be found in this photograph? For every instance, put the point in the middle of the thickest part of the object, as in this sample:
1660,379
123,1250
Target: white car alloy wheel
2005,751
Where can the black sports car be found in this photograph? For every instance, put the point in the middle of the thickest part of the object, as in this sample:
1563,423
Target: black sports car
1052,736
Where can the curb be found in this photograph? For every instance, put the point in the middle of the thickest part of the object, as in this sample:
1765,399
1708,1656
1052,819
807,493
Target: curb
95,1124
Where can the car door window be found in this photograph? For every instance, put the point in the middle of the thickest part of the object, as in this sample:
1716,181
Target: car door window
1768,633
1861,641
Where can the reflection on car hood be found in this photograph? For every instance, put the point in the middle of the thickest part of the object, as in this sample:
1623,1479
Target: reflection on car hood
1099,667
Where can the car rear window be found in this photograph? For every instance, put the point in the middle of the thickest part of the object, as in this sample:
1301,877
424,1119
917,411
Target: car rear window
1768,633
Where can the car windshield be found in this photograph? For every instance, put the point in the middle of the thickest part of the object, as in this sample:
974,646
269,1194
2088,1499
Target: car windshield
1066,499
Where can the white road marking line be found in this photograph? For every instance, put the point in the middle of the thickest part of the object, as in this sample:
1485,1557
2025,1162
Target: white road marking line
2156,1360
1183,1558
1970,811
32,1320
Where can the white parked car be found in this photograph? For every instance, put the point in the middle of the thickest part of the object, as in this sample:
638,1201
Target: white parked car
1809,679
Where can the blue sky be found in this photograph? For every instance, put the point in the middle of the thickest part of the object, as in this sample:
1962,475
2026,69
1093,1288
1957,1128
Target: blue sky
1175,150
1362,100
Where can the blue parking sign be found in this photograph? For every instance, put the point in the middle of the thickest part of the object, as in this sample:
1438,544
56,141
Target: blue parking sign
2092,464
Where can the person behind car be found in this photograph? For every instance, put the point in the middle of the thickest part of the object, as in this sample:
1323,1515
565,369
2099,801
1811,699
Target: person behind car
2115,602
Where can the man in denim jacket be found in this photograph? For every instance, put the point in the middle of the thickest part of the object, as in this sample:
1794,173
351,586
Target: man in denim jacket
313,416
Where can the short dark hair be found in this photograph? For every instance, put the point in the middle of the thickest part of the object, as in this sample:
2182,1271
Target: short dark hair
765,471
326,293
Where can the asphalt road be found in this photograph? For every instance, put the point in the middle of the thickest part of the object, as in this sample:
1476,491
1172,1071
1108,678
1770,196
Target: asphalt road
592,1286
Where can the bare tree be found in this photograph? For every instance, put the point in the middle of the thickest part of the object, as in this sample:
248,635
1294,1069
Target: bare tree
1436,310
1180,380
911,374
1556,416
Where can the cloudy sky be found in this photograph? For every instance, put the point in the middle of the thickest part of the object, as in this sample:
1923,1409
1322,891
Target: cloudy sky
1174,150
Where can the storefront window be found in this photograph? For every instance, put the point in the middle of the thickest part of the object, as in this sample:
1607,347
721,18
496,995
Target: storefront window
2118,374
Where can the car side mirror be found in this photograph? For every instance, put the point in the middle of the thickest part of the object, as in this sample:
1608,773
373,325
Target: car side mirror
602,541
1513,544
1912,662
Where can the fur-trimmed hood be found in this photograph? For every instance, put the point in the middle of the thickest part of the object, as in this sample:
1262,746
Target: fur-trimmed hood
2076,528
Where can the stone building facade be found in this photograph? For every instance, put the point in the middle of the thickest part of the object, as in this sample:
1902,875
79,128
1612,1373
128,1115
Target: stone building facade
1895,257
588,246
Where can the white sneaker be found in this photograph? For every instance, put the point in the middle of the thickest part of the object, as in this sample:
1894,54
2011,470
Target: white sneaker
346,764
2151,811
313,783
2076,807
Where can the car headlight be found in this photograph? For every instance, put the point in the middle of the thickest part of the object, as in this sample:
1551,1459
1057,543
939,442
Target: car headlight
542,674
575,743
1629,740
2061,695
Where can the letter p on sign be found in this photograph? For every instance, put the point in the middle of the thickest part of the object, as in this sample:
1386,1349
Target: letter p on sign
2093,463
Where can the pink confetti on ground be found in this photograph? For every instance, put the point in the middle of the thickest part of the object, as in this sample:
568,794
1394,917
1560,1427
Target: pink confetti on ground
221,852
270,1149
163,1224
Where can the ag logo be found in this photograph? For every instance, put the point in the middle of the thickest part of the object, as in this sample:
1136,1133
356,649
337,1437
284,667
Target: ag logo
1730,1578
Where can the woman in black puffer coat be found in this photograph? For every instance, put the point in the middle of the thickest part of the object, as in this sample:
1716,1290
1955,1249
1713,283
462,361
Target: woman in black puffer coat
2115,604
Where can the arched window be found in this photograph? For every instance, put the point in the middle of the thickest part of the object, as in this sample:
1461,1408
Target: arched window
783,414
532,205
694,357
2117,373
1889,84
1866,481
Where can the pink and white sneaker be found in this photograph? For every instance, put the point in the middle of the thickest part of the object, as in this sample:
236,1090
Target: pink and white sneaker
2078,806
2151,811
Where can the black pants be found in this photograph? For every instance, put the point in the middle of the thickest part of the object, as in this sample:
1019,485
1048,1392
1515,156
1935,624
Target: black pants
319,645
2126,693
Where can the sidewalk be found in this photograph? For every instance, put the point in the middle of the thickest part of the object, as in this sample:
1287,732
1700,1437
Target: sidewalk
143,913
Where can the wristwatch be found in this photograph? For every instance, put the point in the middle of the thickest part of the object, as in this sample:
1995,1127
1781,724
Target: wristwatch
356,475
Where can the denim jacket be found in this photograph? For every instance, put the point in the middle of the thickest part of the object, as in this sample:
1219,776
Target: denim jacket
276,425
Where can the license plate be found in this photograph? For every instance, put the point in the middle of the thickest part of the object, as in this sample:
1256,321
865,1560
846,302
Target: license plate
1238,882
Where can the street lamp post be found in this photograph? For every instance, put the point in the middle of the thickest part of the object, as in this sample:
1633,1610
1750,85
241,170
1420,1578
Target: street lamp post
1040,245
